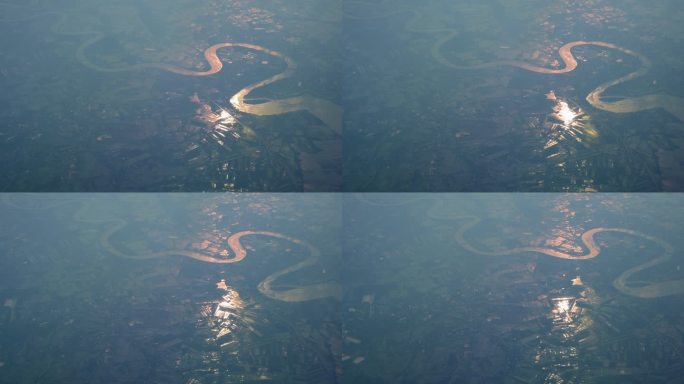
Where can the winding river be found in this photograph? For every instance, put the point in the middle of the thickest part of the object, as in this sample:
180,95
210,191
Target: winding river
327,112
672,104
236,248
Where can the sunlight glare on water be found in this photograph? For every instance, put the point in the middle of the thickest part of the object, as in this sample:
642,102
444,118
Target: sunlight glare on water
565,113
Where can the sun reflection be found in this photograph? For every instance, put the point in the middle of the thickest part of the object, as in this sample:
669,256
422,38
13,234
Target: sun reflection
222,123
563,309
566,228
569,315
228,317
565,113
567,121
572,332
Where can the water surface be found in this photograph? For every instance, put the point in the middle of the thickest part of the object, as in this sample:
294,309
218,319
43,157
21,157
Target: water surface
451,314
416,124
73,119
85,298
366,288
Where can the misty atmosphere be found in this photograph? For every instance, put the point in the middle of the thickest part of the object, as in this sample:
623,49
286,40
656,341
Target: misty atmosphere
528,95
170,95
329,95
356,288
341,191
